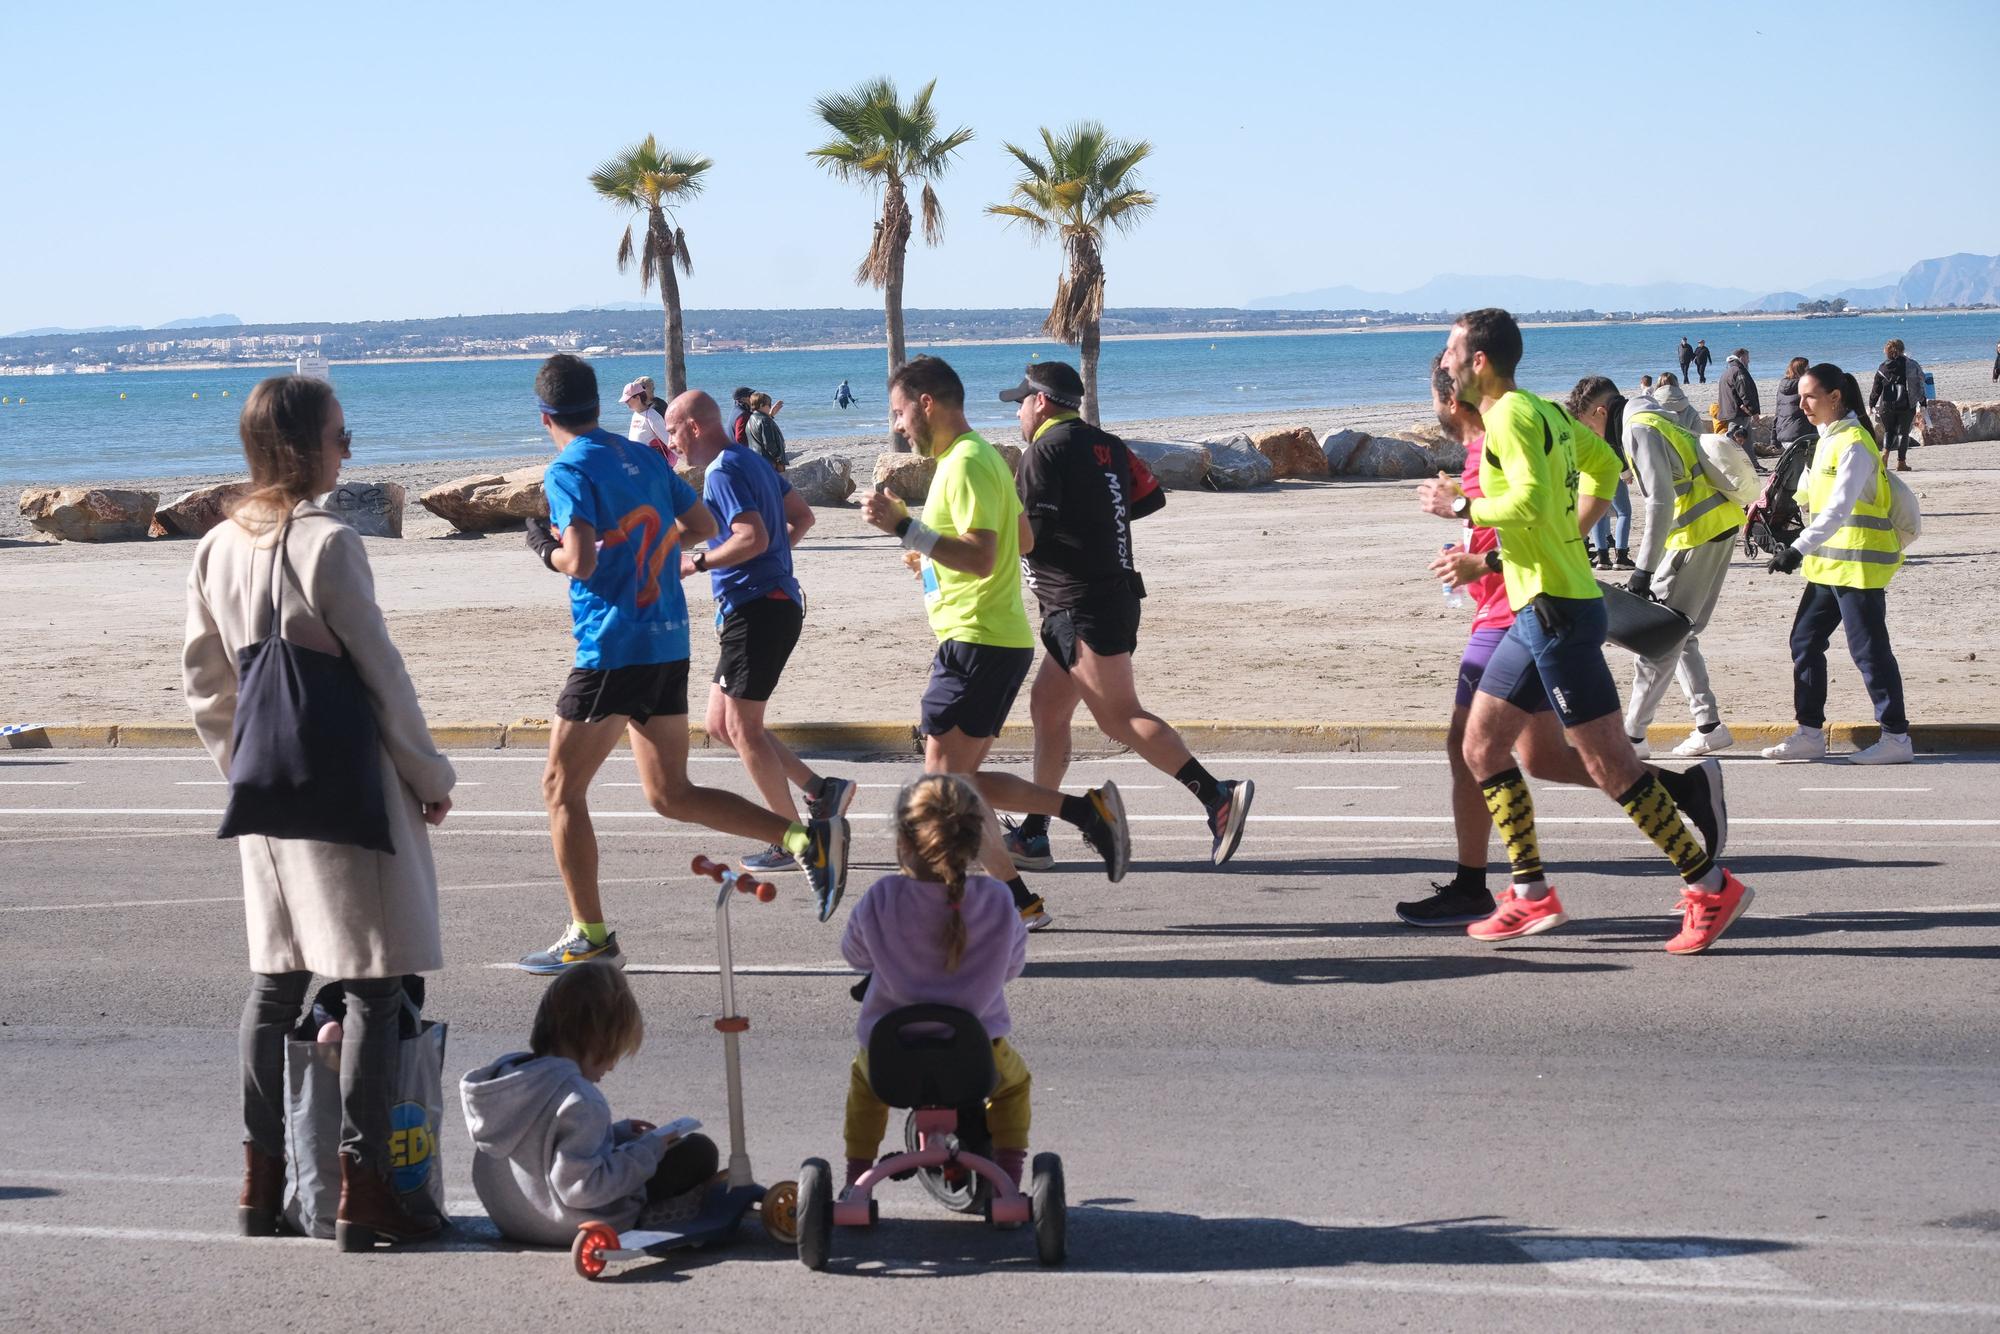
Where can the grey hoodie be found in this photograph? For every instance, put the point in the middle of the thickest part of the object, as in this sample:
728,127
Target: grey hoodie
1669,398
1656,469
548,1156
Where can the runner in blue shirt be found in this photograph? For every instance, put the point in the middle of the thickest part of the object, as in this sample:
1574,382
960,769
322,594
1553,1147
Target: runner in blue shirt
618,516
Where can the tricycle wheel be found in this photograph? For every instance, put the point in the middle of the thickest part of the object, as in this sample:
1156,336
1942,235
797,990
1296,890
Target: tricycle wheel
1049,1207
778,1211
961,1196
593,1239
815,1213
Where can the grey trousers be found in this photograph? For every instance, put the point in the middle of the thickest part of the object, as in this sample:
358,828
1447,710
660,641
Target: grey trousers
1690,582
370,1052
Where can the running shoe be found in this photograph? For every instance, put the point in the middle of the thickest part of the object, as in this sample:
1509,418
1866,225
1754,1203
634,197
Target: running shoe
1641,747
1697,790
1034,915
1704,916
1893,748
1808,743
825,861
1706,743
1449,906
1226,821
1517,917
835,795
1108,833
574,948
773,858
1028,852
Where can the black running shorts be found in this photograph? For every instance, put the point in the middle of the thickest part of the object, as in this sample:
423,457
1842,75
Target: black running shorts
1108,625
757,642
593,694
972,688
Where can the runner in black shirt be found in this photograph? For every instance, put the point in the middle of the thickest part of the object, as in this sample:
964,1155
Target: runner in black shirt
1081,489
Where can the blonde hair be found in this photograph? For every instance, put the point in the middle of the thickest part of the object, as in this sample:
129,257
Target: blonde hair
588,1013
282,428
940,823
760,402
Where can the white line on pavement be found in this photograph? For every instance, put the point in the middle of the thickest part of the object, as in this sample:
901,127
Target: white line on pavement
41,782
121,903
1864,789
1349,787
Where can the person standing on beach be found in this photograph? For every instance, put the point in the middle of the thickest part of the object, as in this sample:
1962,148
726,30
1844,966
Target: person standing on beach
1996,361
1081,489
843,397
1896,398
1701,359
761,433
1736,401
741,398
649,426
1536,462
1686,355
1790,425
617,516
968,550
760,611
1673,401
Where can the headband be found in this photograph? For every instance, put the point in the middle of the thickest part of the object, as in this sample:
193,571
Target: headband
564,411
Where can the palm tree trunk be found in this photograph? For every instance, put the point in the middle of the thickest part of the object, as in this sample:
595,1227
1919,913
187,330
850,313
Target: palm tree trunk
1088,356
892,320
670,297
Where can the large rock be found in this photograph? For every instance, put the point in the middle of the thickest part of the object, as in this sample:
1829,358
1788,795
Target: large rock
1982,420
1942,423
1179,464
1011,453
1235,465
1293,453
89,514
489,502
1446,455
195,512
905,476
372,509
828,480
1339,447
1387,456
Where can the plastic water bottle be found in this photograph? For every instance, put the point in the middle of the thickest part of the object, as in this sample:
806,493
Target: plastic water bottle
1454,598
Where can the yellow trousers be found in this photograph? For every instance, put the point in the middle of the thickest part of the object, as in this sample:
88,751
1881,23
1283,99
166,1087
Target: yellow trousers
1006,1110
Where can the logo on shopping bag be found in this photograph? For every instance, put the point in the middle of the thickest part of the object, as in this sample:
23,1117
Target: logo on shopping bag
411,1143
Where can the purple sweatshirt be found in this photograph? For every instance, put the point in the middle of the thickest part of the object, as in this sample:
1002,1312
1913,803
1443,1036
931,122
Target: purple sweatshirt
894,933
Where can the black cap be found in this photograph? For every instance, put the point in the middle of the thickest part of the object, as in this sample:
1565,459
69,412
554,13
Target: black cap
1057,379
742,395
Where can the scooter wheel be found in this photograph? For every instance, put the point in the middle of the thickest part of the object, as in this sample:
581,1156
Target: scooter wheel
779,1213
1049,1207
587,1251
815,1213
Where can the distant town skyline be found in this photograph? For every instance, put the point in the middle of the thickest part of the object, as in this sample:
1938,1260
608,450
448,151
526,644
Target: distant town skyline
377,162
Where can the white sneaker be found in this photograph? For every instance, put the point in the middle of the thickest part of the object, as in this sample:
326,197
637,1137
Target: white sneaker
1808,743
1893,748
1641,747
1706,743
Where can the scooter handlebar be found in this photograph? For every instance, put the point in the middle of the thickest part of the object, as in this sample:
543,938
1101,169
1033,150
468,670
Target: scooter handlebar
713,870
740,881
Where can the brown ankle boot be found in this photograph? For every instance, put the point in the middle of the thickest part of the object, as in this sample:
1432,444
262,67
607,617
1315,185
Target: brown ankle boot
372,1214
260,1209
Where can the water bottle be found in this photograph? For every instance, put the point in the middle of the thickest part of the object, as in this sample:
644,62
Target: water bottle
1454,598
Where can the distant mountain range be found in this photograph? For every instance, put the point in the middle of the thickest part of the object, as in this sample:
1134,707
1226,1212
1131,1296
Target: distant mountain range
192,322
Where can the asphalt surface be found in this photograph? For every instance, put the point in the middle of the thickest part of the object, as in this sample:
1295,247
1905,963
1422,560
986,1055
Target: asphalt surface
1276,1107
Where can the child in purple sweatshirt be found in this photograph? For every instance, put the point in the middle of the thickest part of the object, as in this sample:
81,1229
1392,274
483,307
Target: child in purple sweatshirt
938,934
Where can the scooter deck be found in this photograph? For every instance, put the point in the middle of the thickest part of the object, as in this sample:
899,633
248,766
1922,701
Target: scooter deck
718,1219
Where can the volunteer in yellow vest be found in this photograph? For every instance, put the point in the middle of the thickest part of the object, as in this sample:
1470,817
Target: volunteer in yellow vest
1848,553
967,549
1537,460
1683,555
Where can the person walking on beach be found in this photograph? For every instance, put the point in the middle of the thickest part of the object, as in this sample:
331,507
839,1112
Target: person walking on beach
1690,534
1996,361
1537,459
1847,555
761,433
760,611
1701,360
1081,489
617,516
1686,356
1736,399
967,550
649,426
282,566
1611,535
1895,399
1790,425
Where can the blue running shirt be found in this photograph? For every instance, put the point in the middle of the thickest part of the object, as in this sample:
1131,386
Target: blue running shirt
742,480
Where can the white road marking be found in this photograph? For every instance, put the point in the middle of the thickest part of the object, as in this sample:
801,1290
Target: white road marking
1350,787
1864,789
1671,1264
120,903
202,782
41,782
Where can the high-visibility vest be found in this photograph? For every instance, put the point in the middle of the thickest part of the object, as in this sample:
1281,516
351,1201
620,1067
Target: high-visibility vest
1865,551
1702,513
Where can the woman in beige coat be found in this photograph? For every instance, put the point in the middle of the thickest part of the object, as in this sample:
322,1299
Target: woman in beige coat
345,912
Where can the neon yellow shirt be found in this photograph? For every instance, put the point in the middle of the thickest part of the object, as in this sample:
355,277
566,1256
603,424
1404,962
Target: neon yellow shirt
1537,459
972,491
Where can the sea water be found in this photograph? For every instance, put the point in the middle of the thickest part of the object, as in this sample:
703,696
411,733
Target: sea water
168,423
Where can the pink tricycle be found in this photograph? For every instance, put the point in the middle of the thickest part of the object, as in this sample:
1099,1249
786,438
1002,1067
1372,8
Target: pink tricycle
937,1061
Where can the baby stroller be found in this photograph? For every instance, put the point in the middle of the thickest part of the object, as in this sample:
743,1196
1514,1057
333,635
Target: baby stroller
1775,519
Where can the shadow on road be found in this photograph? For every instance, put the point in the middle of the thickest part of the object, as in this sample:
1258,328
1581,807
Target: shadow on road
1638,866
27,1192
1754,935
1311,972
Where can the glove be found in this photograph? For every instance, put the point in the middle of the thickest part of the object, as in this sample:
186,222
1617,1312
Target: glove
1640,584
542,542
1785,561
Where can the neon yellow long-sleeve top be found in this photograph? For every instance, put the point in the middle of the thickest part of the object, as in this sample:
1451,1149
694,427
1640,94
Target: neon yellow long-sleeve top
1538,458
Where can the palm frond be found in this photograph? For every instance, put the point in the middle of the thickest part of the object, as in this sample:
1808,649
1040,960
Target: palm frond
681,252
625,249
933,216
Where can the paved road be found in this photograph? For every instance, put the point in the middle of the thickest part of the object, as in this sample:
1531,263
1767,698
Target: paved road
1277,1108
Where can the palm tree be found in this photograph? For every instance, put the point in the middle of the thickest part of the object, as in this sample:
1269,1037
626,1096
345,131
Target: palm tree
650,180
879,140
1085,183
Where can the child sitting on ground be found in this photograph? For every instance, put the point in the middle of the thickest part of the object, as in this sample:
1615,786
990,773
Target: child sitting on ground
937,934
548,1155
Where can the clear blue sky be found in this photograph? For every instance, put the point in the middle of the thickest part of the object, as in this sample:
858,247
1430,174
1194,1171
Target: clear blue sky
353,160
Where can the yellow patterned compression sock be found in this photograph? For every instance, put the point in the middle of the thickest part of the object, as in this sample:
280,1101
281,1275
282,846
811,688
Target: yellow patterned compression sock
1660,820
1513,812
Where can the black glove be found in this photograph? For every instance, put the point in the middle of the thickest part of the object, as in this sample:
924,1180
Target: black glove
1785,561
1640,584
542,542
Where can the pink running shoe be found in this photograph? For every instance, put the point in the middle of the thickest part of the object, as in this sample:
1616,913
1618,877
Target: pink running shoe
1704,917
1517,916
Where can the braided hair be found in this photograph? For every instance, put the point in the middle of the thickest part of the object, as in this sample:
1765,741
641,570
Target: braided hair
940,824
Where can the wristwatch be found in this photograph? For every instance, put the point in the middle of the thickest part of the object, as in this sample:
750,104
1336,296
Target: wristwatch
1460,505
701,561
1493,561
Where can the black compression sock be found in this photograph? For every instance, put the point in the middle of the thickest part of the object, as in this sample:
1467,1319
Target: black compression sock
1019,889
1200,782
1078,811
1470,879
1035,826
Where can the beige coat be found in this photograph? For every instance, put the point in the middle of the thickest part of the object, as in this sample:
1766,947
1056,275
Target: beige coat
335,910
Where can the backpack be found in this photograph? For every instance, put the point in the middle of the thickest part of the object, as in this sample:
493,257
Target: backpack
1895,386
1728,467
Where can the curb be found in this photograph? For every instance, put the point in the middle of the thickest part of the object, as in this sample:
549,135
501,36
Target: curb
1202,735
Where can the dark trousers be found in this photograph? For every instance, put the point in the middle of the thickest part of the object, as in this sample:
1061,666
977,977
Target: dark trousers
1863,613
687,1163
1895,424
370,1049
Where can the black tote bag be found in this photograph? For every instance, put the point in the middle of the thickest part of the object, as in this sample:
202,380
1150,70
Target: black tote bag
305,752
